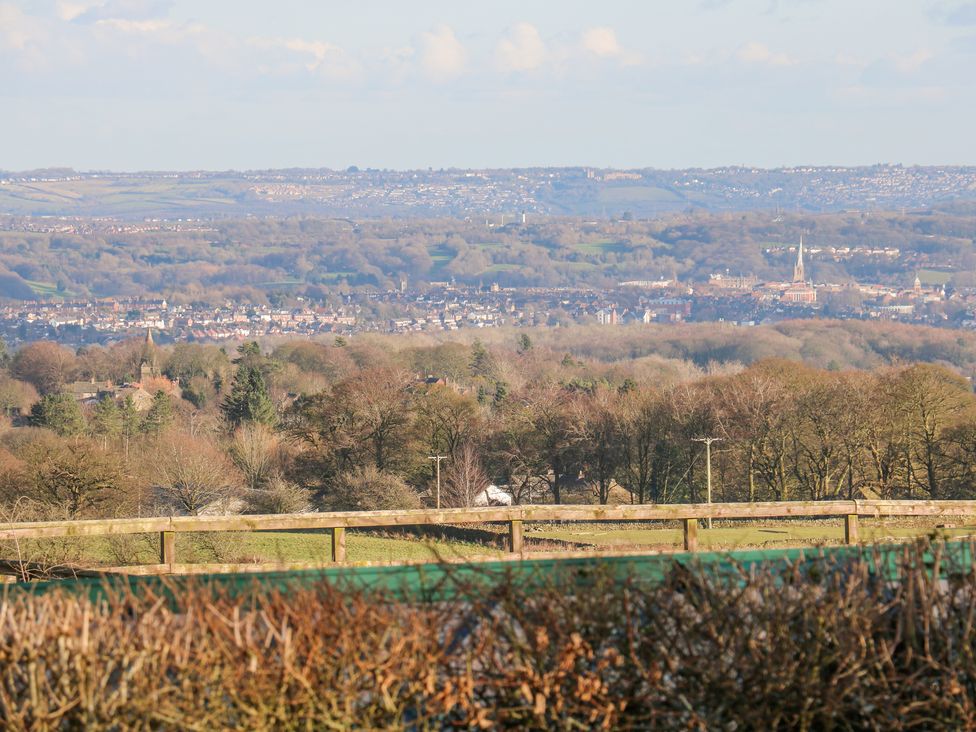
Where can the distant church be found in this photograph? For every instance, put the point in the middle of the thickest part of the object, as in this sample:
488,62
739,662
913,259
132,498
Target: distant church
149,368
150,380
800,291
150,373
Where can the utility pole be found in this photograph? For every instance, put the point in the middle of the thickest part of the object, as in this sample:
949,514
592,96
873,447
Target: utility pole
437,459
708,467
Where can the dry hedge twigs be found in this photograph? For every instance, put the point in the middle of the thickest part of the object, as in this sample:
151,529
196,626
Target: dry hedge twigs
841,648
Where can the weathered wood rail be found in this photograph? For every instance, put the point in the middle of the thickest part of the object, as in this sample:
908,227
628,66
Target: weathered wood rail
336,523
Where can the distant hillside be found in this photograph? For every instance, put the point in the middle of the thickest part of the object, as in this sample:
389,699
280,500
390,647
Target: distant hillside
250,258
536,191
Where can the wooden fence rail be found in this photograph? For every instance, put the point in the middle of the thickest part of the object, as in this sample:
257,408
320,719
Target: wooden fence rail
689,515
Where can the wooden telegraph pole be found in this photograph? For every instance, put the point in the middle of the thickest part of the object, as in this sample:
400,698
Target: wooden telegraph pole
708,468
437,459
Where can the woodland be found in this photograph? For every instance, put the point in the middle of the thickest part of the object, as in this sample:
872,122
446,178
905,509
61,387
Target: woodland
277,260
350,424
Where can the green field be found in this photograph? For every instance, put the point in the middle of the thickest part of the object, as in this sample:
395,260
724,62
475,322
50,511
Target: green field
731,536
363,547
281,283
576,265
602,247
335,276
48,289
441,256
118,197
933,277
502,268
242,548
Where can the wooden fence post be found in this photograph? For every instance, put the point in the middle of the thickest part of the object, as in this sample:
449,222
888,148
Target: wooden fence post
167,548
691,535
850,528
515,536
338,544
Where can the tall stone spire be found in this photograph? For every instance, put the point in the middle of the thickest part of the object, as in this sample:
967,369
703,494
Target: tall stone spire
798,273
148,368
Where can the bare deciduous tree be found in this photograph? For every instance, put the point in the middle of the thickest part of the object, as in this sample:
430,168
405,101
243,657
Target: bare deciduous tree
464,478
193,474
44,364
256,451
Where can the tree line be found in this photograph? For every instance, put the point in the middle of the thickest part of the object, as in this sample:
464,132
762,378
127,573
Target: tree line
352,425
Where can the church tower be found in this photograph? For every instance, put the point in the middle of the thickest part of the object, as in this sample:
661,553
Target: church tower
148,368
798,273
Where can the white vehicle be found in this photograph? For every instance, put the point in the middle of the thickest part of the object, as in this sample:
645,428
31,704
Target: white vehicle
493,496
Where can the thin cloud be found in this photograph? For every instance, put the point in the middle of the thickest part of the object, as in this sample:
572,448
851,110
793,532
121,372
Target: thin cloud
92,12
913,62
521,49
442,56
17,30
601,41
758,53
315,56
25,38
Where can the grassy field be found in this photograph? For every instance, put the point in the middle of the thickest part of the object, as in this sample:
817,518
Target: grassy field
933,277
726,535
281,283
48,289
501,268
335,276
116,197
480,541
231,547
602,247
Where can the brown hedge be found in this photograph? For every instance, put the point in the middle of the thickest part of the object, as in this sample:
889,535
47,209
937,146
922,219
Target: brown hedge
837,649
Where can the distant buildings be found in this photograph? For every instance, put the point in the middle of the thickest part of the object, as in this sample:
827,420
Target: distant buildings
726,282
141,392
446,306
799,291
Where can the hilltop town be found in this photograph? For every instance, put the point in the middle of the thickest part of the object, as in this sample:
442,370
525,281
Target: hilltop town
444,306
497,193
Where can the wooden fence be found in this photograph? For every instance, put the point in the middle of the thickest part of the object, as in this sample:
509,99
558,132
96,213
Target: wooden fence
689,515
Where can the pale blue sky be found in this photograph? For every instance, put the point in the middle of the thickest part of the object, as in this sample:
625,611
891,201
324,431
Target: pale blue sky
216,84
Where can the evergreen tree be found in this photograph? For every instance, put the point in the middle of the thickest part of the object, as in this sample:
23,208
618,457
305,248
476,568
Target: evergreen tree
501,391
524,343
250,352
129,418
249,400
59,412
131,423
106,420
160,413
481,361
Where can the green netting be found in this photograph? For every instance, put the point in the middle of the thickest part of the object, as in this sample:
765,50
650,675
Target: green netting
425,582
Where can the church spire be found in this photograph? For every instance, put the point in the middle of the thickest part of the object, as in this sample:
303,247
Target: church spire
148,369
798,273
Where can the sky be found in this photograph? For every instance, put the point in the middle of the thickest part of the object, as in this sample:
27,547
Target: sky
250,84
